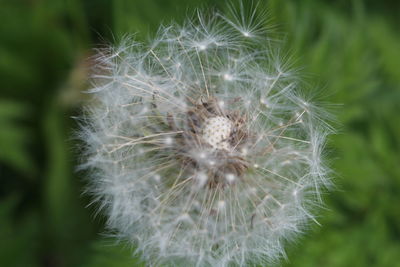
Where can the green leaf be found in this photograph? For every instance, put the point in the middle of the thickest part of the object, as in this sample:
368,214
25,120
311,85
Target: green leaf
15,137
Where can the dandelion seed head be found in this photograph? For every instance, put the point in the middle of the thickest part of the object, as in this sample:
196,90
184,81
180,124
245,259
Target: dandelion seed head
216,132
201,149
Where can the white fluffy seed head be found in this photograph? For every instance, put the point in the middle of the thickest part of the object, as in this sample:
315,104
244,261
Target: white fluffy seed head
201,148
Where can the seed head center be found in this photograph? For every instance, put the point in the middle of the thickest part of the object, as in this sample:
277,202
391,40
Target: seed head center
216,132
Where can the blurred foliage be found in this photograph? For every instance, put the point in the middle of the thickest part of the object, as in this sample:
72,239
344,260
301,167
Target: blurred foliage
351,49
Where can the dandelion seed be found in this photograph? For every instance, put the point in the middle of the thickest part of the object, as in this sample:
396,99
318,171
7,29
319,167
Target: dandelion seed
228,77
230,177
221,205
201,149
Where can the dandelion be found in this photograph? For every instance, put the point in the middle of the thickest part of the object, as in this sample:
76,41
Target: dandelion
201,148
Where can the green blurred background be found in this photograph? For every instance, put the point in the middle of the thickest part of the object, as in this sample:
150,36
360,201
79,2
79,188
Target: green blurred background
351,49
